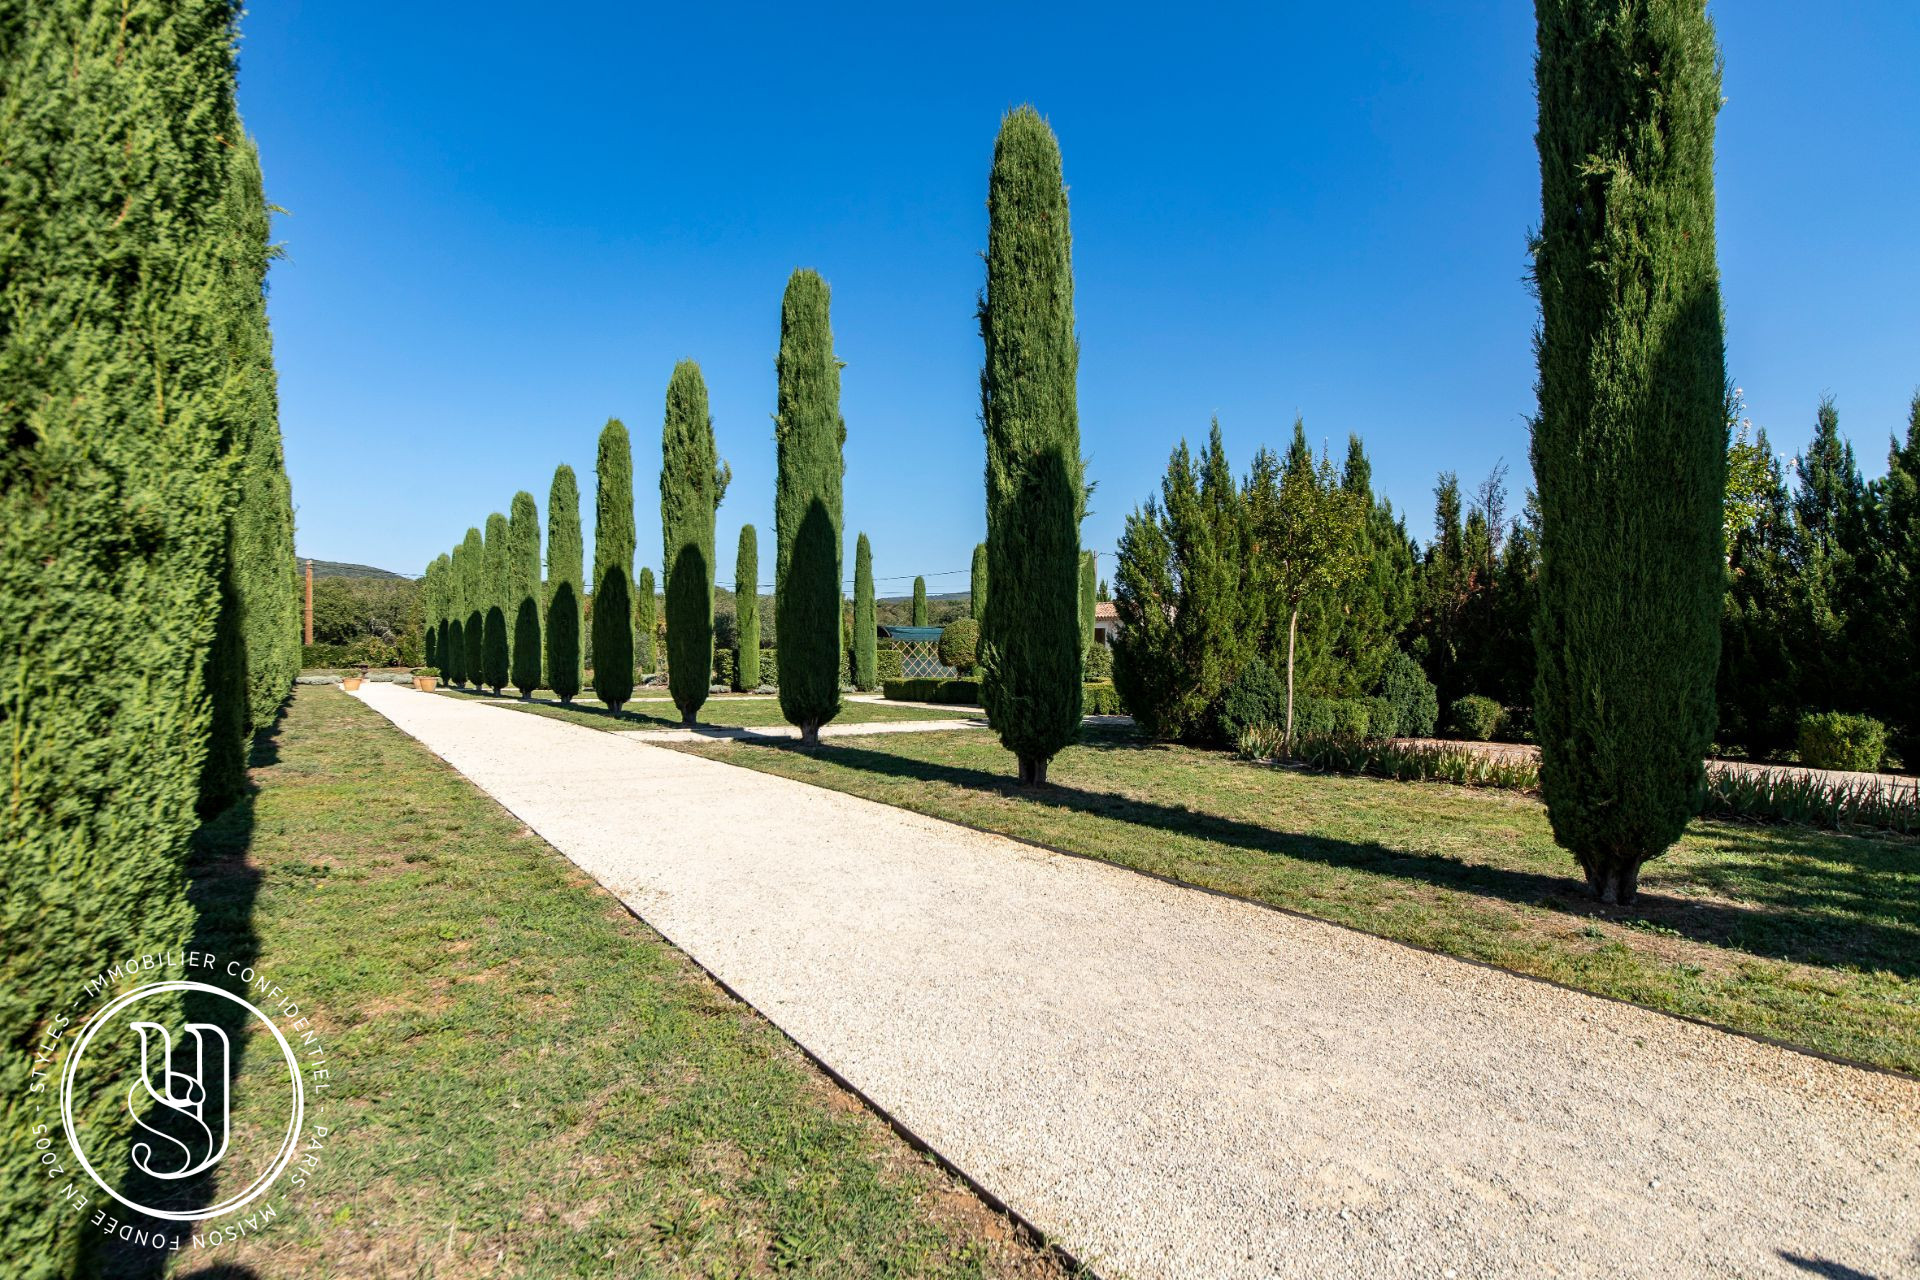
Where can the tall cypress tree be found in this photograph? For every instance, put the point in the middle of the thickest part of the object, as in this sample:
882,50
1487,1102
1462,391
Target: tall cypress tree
255,652
430,610
646,624
693,480
613,567
810,433
1030,637
523,591
565,559
1629,446
866,659
453,651
117,481
476,596
746,604
1089,584
266,573
919,602
496,653
977,583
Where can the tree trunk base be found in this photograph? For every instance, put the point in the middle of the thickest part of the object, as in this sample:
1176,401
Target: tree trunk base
809,737
1614,882
1033,771
615,707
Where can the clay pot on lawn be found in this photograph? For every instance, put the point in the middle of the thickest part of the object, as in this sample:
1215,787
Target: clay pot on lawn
425,683
350,683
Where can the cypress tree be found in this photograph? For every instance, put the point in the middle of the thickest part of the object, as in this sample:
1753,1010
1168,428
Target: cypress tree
613,567
255,652
646,624
1030,637
496,654
693,480
266,573
1089,584
1629,446
453,651
919,602
475,596
810,433
866,659
523,591
746,604
115,502
565,561
977,583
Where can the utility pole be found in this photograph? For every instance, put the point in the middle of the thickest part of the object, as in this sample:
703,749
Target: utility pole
309,639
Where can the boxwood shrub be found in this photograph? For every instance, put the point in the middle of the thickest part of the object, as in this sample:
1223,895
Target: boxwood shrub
1474,718
888,665
1099,698
1835,740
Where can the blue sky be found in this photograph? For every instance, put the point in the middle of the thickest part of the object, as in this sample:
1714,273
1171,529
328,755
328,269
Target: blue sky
502,229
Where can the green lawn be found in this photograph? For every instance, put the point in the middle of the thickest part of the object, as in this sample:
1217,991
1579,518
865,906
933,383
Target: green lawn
533,1082
1803,935
716,713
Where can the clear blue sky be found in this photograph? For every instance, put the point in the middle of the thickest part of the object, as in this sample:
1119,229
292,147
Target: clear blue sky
504,227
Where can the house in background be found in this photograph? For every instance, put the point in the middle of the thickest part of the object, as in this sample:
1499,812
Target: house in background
1106,622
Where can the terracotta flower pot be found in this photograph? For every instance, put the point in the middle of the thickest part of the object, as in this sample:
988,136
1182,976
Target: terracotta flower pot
425,683
350,683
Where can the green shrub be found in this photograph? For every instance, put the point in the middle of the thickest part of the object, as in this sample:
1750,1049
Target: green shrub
1350,718
426,671
888,665
1257,696
1474,718
960,692
1100,698
1835,740
959,643
1415,702
1380,717
723,666
1099,664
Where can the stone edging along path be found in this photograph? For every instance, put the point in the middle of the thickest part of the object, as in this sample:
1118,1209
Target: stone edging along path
1170,1083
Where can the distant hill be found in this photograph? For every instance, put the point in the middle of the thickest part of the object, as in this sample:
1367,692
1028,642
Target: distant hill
335,569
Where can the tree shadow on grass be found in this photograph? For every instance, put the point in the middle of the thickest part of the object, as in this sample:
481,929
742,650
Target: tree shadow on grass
1820,911
222,885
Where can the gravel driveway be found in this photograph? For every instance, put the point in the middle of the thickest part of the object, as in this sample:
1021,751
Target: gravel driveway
1173,1083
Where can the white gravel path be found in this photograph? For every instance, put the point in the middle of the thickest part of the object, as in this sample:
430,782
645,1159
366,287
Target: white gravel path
1173,1083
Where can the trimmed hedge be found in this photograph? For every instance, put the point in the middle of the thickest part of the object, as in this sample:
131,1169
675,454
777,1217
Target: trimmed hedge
889,665
1835,740
959,692
1100,698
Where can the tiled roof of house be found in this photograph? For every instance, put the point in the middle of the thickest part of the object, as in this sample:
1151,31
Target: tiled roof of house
1103,611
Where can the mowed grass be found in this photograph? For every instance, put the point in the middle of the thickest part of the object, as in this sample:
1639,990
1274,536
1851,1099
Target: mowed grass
1806,936
717,712
529,1081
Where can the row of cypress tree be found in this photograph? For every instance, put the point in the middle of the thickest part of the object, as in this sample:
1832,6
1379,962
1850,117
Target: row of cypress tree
1032,649
148,591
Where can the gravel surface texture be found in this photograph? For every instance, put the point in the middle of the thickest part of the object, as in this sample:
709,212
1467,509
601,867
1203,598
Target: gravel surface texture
1172,1083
